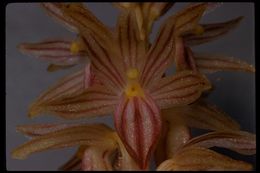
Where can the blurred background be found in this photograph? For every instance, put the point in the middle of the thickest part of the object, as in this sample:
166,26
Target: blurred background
26,77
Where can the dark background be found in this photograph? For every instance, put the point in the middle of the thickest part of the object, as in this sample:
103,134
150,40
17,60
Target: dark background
27,77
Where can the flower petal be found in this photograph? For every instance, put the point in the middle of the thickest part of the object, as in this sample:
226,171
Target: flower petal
181,89
210,63
131,47
99,42
96,100
138,123
83,19
90,135
54,10
204,115
68,86
42,129
239,141
202,159
212,32
161,53
159,56
107,64
53,51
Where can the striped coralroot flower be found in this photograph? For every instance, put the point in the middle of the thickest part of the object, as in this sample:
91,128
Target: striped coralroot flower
124,75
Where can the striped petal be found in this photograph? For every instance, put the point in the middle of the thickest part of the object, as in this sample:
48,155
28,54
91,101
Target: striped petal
131,47
135,9
54,10
68,86
161,53
204,115
43,129
83,19
96,100
210,63
53,51
202,159
159,56
239,141
138,123
90,135
212,32
181,89
106,63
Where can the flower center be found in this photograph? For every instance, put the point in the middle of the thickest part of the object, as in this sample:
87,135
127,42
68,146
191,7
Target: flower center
133,87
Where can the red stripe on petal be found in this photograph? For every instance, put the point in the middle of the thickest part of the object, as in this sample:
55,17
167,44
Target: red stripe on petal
181,89
158,58
96,100
128,38
138,123
68,86
104,62
53,51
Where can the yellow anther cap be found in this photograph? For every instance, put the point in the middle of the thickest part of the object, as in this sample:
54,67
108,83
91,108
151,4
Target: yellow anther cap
74,48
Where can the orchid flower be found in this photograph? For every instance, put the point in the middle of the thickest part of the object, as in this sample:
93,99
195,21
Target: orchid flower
131,78
124,74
